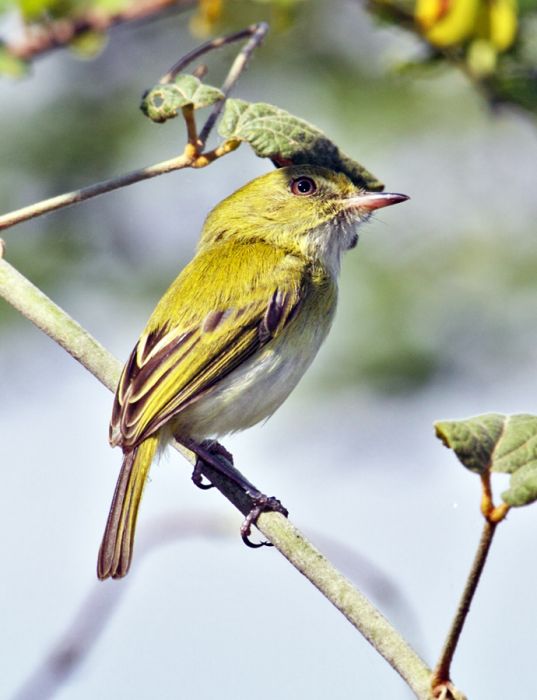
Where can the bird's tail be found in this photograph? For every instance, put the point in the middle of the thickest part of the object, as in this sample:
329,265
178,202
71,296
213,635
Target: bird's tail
116,548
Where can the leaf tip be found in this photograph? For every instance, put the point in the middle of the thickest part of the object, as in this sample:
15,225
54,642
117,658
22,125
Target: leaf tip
440,432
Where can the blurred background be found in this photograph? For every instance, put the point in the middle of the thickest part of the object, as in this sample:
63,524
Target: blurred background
436,321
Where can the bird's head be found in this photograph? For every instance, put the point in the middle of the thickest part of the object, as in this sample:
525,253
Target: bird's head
307,209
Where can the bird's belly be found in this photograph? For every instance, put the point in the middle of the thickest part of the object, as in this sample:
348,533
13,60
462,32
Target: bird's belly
254,390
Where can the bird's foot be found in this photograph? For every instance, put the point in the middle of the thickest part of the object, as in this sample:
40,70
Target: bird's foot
211,453
261,504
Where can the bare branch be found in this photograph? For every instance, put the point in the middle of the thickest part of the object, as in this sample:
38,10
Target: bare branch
65,200
216,43
441,681
493,516
192,155
42,38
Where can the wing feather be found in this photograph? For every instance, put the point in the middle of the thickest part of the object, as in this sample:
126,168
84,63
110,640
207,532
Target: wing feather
176,362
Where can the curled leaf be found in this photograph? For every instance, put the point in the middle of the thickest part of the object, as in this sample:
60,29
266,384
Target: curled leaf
164,102
497,443
287,140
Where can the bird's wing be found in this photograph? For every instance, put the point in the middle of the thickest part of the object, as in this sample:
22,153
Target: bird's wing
240,297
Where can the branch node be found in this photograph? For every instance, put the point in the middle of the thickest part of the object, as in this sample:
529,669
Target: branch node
499,513
445,690
204,159
492,514
191,128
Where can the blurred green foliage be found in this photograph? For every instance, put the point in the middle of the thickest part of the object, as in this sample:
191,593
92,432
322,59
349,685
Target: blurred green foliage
492,41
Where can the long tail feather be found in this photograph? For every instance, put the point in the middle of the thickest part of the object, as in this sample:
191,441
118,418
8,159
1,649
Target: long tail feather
116,548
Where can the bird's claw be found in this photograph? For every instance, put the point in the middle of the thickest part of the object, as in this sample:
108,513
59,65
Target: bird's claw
260,504
206,452
198,478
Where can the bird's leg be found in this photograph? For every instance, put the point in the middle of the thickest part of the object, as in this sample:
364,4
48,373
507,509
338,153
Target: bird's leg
215,449
212,454
215,455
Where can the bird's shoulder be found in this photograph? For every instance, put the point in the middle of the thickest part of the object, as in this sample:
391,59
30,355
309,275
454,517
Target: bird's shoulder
228,275
227,303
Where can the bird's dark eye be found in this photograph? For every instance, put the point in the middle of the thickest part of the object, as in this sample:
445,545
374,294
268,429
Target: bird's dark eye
303,186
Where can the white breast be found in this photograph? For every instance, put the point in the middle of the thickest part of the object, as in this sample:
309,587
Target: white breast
254,390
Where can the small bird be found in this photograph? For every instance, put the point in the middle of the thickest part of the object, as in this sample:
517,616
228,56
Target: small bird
237,329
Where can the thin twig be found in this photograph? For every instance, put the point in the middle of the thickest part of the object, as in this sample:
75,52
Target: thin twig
441,674
191,157
258,33
25,297
208,46
65,200
42,38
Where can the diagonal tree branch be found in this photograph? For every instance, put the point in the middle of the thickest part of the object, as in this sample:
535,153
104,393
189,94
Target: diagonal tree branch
52,320
65,200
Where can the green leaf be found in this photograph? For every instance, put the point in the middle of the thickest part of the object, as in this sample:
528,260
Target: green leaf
497,443
164,102
287,140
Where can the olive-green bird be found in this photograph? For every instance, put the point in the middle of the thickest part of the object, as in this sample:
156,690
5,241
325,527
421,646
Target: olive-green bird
237,329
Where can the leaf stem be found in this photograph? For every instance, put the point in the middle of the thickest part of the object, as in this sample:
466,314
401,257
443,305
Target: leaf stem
191,130
441,674
495,514
52,320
